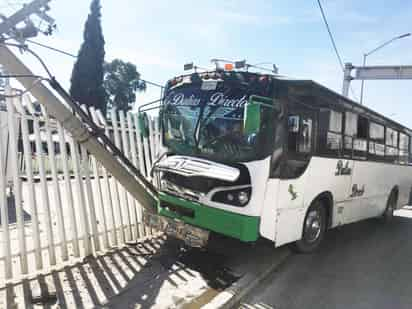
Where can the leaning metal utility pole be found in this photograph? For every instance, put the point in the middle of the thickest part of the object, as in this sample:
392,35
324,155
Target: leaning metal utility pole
385,72
80,126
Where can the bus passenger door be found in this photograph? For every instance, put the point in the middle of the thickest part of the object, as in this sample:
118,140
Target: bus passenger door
357,144
340,186
295,174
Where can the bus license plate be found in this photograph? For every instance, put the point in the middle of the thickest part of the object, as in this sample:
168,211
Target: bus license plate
191,235
153,221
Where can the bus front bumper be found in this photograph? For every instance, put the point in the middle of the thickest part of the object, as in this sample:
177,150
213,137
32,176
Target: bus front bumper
244,228
192,236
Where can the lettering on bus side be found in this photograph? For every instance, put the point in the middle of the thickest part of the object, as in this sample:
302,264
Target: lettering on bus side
342,169
357,190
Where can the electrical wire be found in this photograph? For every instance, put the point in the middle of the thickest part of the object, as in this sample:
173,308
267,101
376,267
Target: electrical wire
52,48
331,35
24,47
21,75
335,48
74,56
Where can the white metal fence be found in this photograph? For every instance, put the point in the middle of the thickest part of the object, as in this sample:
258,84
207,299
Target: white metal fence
57,202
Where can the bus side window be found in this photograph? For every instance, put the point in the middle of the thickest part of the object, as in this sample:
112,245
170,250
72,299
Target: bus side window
305,142
391,147
362,127
403,148
300,145
351,131
410,151
300,136
360,143
376,141
334,143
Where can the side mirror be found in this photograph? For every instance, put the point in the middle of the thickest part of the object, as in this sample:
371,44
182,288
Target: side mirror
253,112
143,122
251,119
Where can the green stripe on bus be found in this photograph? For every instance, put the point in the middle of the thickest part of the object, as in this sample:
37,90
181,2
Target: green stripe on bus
244,228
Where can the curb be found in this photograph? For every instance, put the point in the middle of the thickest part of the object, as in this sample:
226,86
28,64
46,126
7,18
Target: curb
233,294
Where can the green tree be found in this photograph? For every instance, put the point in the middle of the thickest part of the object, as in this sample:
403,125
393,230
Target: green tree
121,82
87,75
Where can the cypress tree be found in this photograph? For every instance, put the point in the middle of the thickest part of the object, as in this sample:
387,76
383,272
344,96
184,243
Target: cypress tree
87,75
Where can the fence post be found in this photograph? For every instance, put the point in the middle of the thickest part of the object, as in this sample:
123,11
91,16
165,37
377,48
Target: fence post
156,140
56,187
143,159
32,196
8,269
125,144
13,135
117,185
147,155
140,151
74,150
137,208
90,200
151,141
99,115
98,187
44,191
68,189
96,174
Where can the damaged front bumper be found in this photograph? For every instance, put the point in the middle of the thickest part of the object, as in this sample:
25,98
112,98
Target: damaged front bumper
191,235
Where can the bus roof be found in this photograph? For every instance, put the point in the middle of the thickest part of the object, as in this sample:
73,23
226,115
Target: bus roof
339,101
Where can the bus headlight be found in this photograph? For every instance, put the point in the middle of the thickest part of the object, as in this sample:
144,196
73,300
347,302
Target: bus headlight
163,184
236,197
243,197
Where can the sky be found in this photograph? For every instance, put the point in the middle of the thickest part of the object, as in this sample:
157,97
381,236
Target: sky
160,36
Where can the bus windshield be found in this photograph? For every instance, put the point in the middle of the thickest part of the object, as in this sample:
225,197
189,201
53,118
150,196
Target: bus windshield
205,122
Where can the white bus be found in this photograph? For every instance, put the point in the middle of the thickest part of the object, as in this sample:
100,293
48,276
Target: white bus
249,155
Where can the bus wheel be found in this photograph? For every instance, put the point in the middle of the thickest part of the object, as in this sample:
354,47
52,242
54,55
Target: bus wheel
314,228
387,216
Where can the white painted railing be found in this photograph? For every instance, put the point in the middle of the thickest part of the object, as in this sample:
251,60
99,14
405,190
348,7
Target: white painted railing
57,202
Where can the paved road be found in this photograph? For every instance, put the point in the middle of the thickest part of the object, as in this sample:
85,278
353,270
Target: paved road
362,265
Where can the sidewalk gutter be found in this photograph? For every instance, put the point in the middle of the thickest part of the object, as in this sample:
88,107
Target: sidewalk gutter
235,293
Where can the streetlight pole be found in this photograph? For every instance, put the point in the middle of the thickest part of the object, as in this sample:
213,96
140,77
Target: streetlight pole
365,55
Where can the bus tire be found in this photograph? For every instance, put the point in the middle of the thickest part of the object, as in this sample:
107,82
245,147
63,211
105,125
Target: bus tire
387,215
314,228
